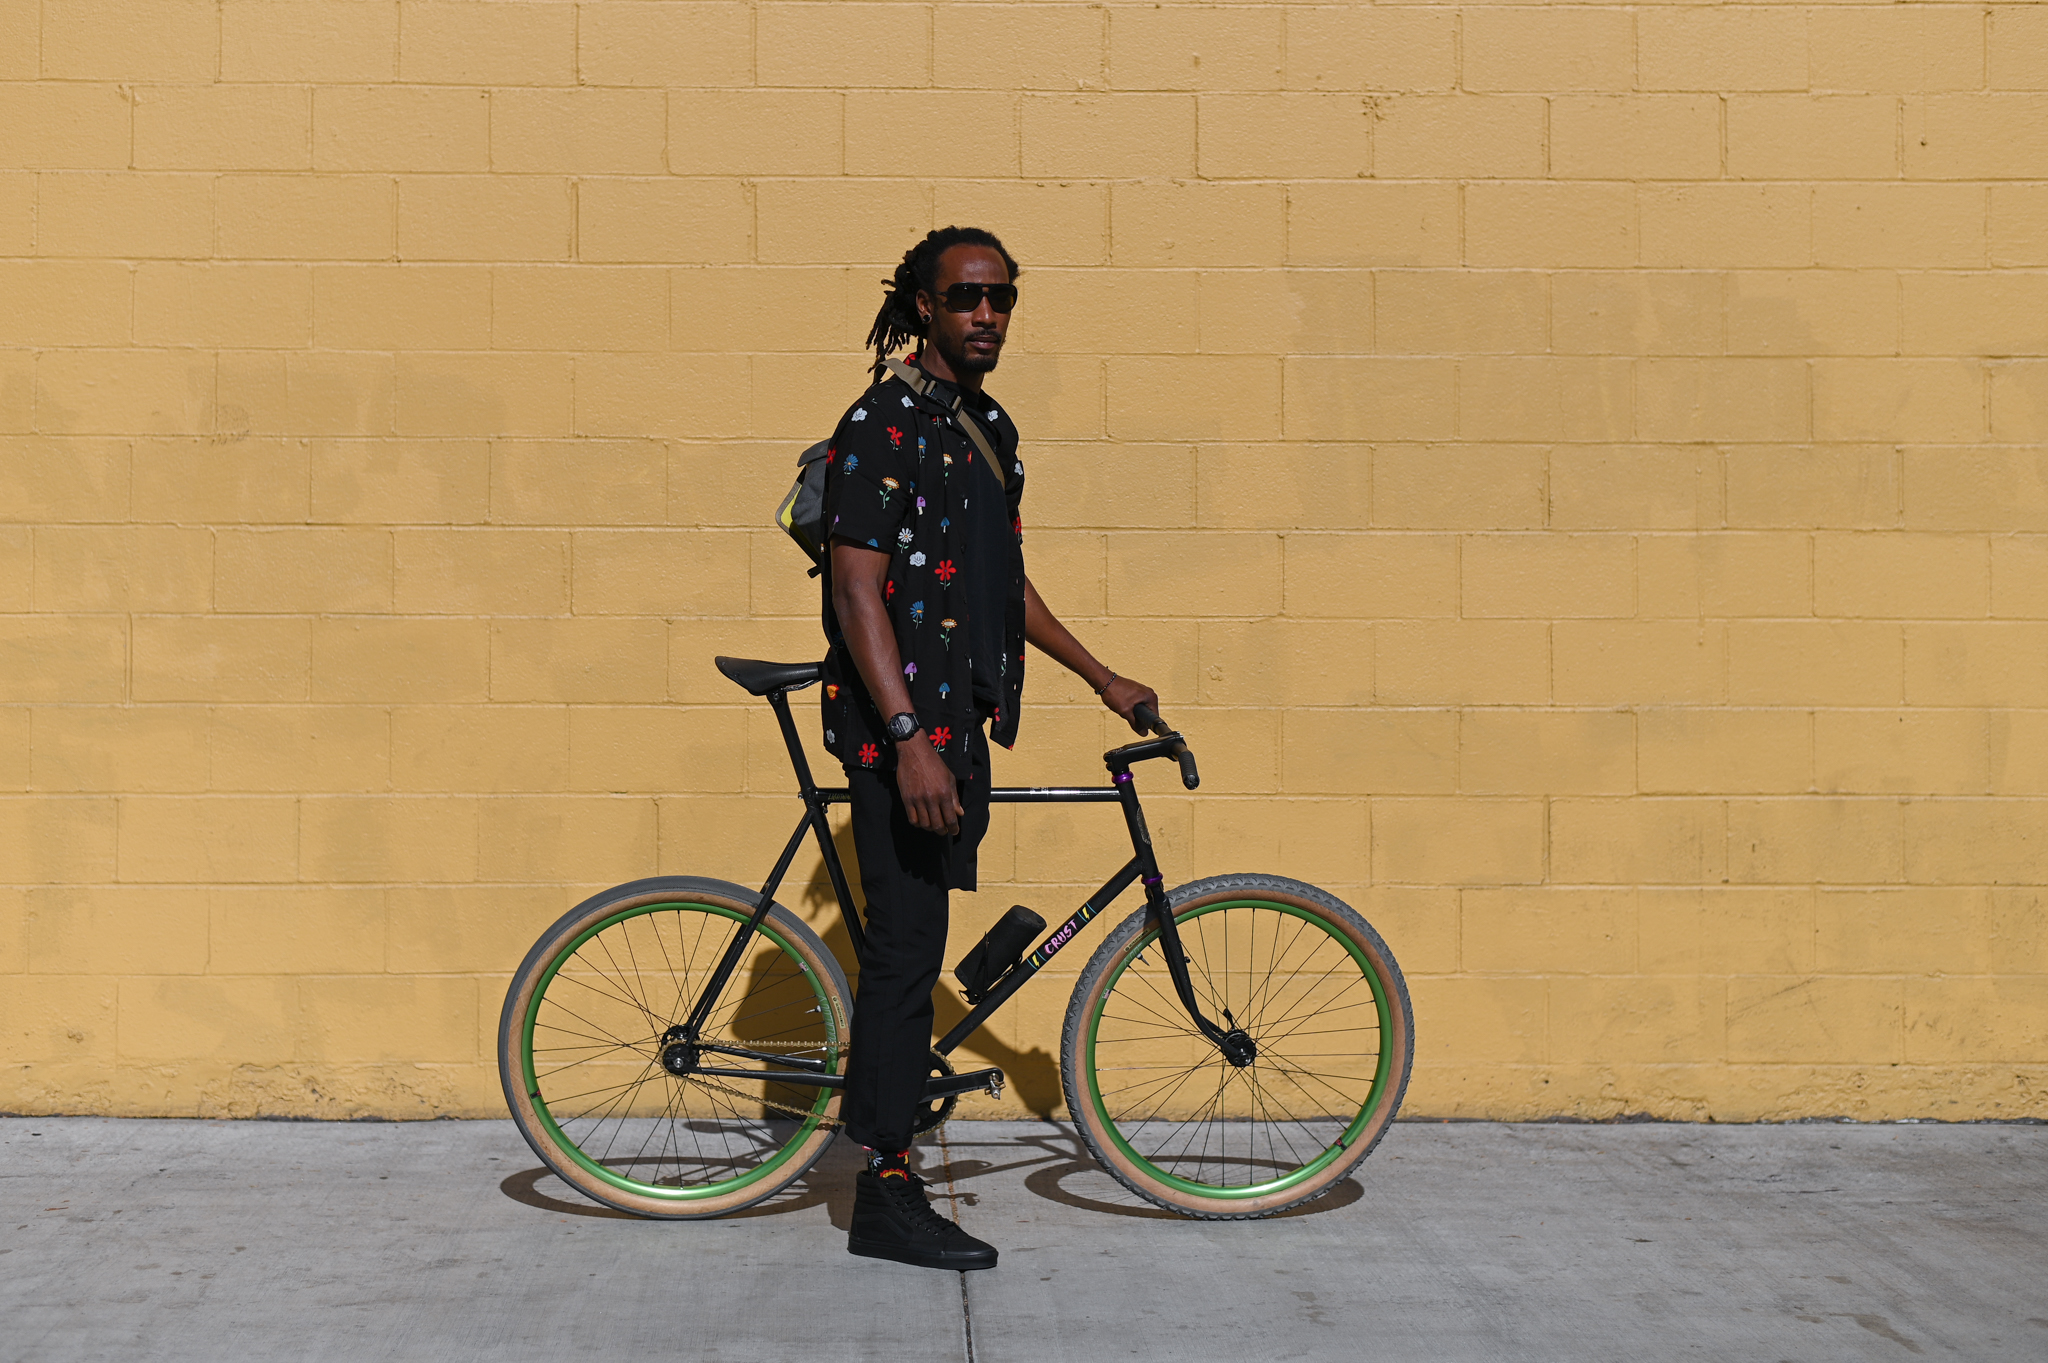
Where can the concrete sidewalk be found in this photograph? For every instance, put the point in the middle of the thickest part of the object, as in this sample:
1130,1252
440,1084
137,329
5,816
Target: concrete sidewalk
444,1241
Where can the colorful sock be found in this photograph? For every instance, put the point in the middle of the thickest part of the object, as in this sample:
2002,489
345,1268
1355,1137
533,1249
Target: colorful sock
883,1163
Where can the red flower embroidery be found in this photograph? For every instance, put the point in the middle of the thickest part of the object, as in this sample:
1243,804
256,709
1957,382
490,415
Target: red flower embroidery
889,589
941,736
868,754
831,453
895,437
946,571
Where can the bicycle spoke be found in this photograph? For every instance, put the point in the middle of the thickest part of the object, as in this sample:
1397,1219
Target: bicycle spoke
624,986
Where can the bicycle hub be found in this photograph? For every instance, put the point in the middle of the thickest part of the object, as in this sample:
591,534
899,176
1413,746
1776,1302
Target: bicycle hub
1238,1047
679,1057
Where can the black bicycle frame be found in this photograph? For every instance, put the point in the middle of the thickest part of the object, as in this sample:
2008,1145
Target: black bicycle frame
1142,866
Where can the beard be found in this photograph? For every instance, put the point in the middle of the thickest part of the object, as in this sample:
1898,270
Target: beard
962,361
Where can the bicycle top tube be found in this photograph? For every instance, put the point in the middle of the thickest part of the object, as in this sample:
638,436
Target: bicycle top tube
1008,795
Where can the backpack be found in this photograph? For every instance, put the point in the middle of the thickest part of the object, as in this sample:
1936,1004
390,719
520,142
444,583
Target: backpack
801,513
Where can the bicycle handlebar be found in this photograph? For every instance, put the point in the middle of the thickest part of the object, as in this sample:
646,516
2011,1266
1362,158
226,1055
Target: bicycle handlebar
1147,716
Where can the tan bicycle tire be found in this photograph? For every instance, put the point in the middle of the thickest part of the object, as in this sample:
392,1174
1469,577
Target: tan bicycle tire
1392,1056
785,933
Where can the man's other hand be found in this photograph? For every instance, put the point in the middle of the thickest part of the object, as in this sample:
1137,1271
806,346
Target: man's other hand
930,795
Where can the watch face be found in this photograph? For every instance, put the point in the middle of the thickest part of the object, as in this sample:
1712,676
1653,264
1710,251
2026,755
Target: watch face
902,726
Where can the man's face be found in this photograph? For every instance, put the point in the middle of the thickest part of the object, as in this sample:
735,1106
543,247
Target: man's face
969,342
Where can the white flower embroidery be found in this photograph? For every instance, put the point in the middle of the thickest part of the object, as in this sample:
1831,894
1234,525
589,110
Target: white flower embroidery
991,414
860,414
829,737
917,559
903,536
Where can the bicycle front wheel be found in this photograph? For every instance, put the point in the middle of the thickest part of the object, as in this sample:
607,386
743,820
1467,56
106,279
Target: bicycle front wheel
609,1096
1171,1116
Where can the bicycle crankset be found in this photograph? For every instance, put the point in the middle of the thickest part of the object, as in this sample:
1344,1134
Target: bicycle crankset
943,1087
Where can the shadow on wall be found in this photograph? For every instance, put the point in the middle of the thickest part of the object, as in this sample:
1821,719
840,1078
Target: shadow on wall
1033,1075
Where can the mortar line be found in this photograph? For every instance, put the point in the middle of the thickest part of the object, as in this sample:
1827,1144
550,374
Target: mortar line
953,1210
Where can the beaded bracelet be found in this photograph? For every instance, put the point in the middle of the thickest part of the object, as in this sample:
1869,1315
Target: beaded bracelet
1105,686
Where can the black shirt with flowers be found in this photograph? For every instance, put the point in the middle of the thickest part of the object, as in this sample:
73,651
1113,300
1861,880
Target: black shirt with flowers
903,476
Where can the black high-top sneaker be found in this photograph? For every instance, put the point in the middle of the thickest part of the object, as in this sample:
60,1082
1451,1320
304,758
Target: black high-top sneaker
892,1220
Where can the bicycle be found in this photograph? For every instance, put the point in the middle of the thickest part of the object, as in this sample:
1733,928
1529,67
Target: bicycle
673,1046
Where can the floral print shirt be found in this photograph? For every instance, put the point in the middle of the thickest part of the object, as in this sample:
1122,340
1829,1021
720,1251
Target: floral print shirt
901,476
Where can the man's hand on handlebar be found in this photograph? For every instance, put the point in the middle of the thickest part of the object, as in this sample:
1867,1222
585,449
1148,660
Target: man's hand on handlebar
1124,696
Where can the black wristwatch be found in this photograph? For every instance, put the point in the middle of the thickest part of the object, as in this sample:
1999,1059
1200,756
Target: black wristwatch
903,726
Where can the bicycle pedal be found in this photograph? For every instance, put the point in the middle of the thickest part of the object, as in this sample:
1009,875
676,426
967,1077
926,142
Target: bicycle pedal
946,1085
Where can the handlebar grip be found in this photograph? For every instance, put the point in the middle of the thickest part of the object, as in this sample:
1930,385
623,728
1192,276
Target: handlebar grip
1149,717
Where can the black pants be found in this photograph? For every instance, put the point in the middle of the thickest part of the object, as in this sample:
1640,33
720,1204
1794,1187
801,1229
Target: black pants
905,874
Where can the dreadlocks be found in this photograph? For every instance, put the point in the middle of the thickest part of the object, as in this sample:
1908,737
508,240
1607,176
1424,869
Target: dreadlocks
897,322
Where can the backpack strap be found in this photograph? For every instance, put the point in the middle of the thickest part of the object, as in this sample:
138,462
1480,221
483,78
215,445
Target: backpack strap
921,384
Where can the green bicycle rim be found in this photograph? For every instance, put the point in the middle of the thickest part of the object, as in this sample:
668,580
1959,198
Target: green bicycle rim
1314,1166
575,1152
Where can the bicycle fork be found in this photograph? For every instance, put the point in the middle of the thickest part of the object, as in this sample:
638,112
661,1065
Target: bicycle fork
1237,1046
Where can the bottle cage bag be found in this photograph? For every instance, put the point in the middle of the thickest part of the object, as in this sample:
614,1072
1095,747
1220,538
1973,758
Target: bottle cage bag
801,513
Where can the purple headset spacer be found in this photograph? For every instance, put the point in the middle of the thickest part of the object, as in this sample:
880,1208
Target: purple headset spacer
1122,777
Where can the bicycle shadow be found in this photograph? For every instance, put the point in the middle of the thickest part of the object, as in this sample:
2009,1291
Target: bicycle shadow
1066,1157
829,1184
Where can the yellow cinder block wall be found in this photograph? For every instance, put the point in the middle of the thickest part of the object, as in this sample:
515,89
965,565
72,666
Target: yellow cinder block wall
1575,471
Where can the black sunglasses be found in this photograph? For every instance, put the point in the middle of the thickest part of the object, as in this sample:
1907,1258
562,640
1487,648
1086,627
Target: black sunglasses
967,297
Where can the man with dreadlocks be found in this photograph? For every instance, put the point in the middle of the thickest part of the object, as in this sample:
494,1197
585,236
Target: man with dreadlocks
927,610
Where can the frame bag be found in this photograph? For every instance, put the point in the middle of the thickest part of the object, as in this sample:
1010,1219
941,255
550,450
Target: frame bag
801,513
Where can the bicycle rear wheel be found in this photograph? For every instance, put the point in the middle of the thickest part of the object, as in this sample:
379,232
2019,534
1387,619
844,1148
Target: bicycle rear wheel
1326,1009
588,1022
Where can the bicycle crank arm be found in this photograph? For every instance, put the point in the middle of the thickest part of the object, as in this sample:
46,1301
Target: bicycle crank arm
990,1081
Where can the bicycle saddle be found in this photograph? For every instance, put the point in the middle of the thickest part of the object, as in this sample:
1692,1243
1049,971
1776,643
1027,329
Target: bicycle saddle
760,678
